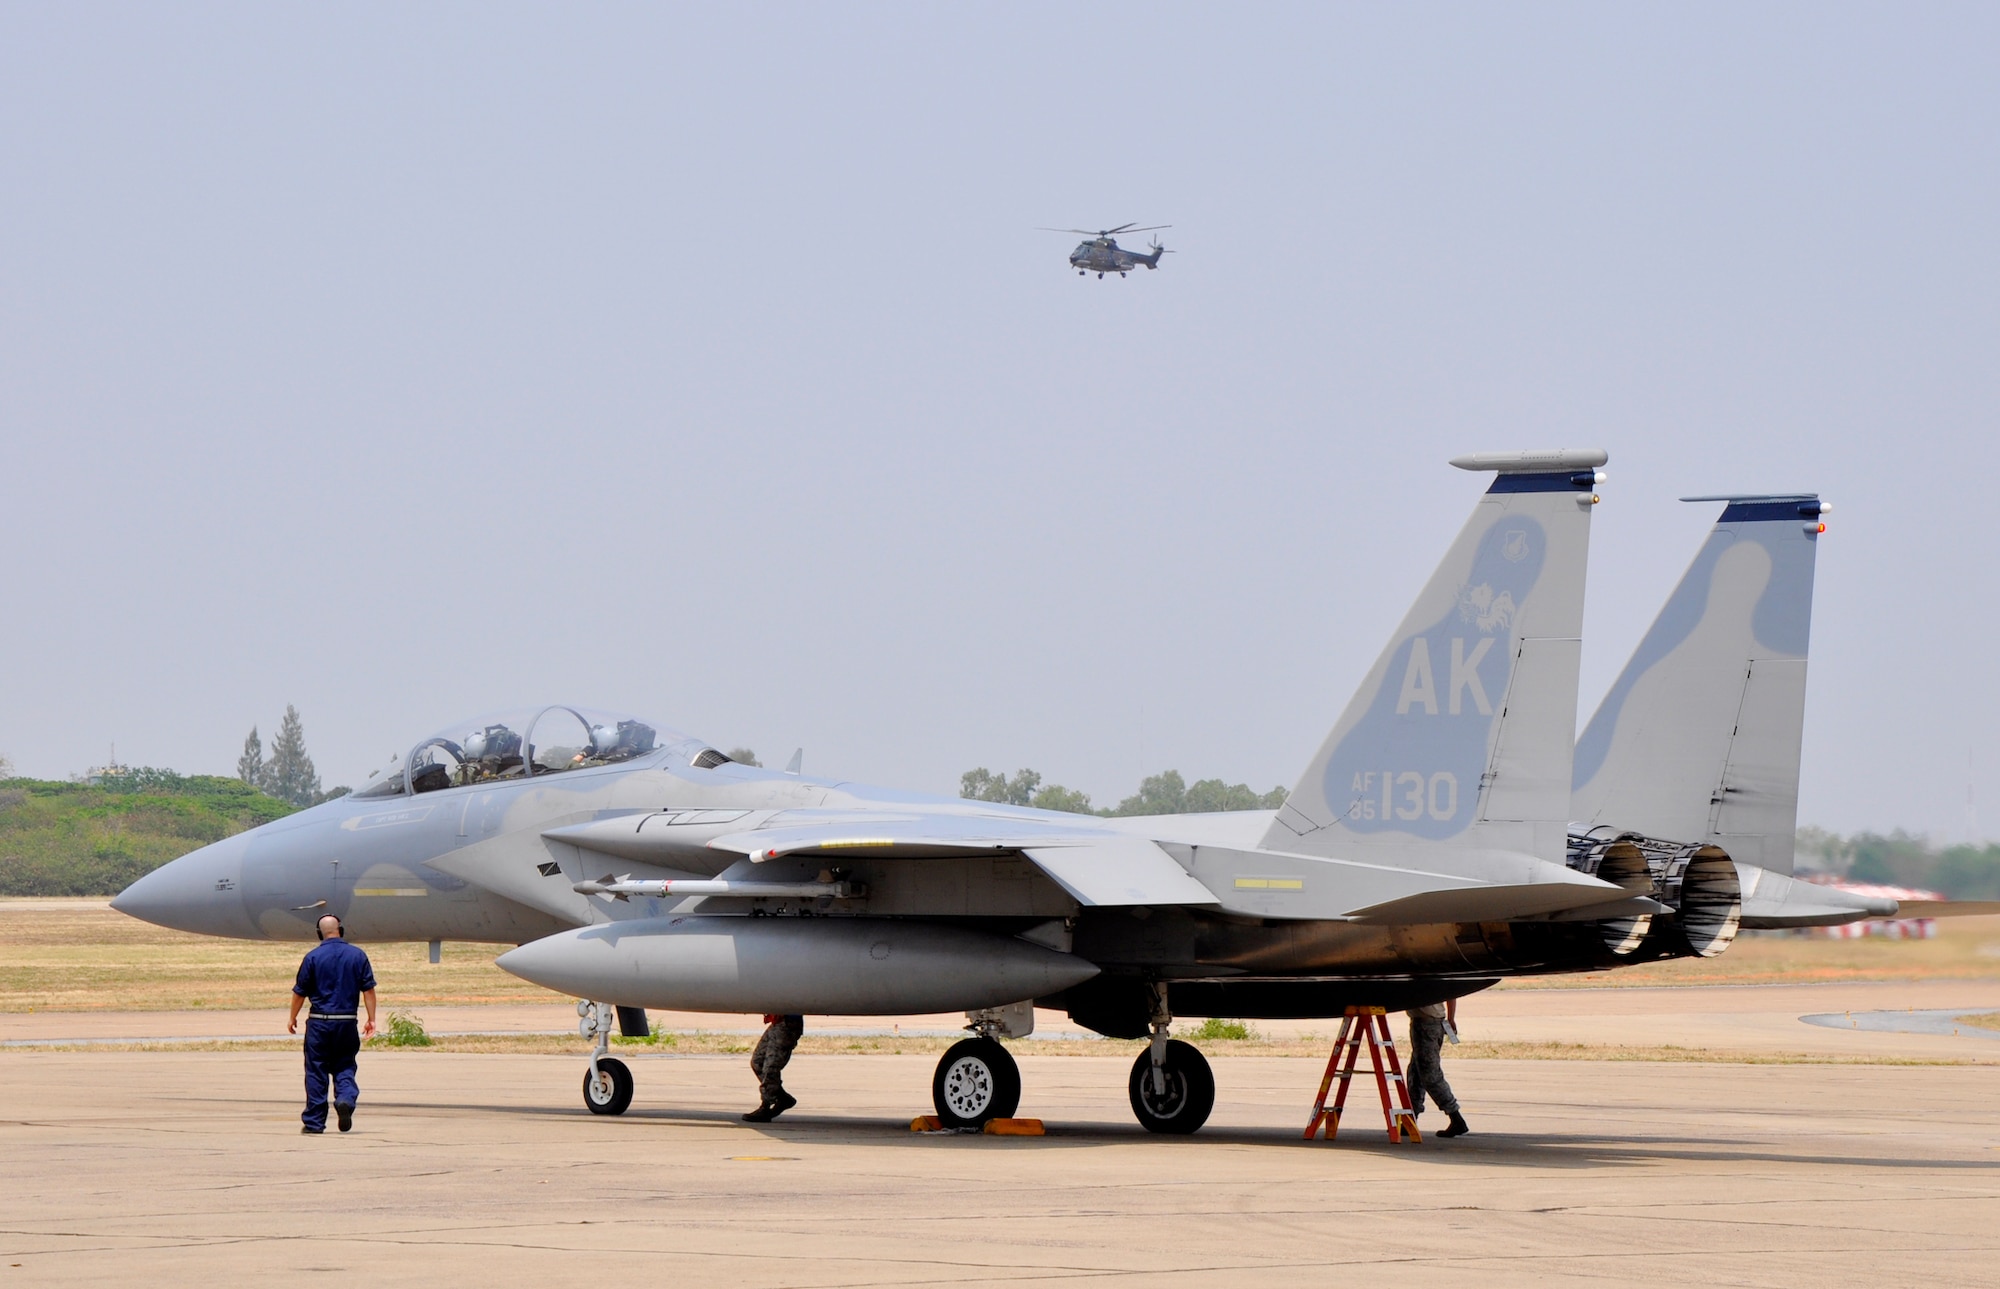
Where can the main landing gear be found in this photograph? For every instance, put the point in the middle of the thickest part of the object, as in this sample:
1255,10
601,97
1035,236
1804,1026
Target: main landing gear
1172,1089
977,1080
607,1084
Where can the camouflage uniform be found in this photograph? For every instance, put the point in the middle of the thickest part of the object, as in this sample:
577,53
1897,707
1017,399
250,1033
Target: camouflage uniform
772,1052
1426,1072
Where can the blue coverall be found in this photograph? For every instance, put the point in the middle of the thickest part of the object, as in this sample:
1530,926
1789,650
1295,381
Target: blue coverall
332,978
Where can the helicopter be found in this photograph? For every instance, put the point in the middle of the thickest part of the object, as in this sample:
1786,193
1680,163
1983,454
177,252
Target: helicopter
1103,254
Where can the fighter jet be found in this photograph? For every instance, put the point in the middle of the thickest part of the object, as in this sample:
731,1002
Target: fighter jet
1425,853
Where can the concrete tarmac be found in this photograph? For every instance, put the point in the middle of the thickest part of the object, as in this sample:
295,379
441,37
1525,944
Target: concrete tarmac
182,1168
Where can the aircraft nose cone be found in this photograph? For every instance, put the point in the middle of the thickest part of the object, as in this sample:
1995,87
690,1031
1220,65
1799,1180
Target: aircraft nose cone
198,892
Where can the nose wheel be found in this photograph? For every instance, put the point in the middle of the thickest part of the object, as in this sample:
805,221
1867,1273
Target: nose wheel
976,1081
607,1086
607,1081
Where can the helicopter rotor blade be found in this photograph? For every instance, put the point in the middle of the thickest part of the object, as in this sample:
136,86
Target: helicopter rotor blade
1105,232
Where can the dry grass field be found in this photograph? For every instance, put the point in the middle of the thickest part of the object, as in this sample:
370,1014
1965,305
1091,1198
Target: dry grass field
71,956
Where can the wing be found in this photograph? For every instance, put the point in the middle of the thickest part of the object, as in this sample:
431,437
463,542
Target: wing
1095,866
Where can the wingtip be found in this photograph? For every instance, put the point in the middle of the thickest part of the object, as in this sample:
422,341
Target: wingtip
1533,462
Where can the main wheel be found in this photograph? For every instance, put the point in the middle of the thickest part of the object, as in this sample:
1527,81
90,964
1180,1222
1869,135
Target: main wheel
609,1089
1189,1095
977,1080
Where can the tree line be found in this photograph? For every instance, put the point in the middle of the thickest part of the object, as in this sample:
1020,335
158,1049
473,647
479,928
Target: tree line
1166,793
1962,872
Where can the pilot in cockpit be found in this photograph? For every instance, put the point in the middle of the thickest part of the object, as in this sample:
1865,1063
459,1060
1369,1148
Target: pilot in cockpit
491,753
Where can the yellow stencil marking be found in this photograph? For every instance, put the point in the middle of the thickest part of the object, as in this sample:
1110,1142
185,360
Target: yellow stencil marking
1270,884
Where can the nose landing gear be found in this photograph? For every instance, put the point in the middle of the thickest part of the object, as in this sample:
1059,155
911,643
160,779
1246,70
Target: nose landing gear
607,1084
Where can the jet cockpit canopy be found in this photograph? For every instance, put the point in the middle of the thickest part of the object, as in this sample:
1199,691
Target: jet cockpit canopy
520,743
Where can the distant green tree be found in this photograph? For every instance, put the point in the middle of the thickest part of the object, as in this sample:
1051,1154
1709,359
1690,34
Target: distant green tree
1828,848
984,785
1057,797
250,766
744,756
1212,795
1963,872
144,778
1158,794
289,775
1968,872
1898,859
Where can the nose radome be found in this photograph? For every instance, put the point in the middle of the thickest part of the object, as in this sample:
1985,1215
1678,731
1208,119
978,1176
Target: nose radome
198,892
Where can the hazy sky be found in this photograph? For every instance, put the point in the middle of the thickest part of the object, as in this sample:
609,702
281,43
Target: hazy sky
403,362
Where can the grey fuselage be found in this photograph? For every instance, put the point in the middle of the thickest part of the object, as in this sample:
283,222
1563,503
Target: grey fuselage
1104,255
473,863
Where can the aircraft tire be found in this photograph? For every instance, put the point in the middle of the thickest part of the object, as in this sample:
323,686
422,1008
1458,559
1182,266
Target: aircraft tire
614,1099
1190,1091
976,1080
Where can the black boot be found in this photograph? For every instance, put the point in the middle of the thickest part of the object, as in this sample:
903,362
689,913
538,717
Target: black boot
781,1103
762,1114
1456,1128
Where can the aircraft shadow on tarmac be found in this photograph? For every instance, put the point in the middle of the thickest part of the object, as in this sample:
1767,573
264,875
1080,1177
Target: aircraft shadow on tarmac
1497,1149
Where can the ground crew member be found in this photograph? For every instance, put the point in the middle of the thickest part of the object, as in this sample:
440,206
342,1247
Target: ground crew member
781,1035
1427,1026
336,977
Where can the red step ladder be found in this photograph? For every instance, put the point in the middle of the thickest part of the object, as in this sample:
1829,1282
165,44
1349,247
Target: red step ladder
1396,1112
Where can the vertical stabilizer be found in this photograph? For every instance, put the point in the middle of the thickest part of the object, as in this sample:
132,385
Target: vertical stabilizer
1462,732
1698,740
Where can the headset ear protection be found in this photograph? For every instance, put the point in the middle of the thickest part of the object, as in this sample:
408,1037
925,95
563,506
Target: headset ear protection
338,925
